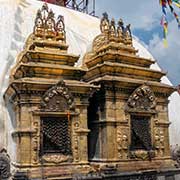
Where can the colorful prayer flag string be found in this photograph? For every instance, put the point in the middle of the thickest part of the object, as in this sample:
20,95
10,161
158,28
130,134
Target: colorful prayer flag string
177,3
164,22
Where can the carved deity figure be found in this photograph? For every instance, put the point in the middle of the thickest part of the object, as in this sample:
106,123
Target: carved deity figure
120,30
159,142
39,25
60,29
128,35
50,25
122,141
47,28
112,29
104,26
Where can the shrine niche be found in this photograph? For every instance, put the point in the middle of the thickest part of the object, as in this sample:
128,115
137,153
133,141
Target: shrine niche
140,133
141,106
55,139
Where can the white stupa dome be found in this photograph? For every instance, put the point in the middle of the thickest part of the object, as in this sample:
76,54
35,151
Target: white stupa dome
17,21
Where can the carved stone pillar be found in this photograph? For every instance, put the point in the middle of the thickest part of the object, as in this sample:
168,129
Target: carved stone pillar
23,131
81,131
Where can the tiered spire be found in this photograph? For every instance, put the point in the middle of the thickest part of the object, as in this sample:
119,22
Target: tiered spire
46,27
118,33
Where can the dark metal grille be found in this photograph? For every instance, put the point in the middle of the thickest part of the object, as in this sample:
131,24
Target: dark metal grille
55,136
140,133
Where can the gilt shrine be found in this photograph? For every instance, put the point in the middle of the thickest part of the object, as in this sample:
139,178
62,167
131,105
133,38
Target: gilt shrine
106,119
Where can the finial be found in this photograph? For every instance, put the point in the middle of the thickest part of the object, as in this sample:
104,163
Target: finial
60,17
60,23
45,7
119,34
104,26
50,14
3,150
113,22
60,29
121,24
112,28
128,28
46,27
105,15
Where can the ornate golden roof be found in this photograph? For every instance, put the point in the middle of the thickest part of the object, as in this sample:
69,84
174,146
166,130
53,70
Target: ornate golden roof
114,38
48,32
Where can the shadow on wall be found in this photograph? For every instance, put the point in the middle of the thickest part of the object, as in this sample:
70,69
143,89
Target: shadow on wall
178,89
1,133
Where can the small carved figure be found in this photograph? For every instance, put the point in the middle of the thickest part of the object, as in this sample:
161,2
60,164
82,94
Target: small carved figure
104,26
47,28
121,25
60,29
50,25
159,142
112,29
120,29
119,140
122,141
128,30
128,35
39,25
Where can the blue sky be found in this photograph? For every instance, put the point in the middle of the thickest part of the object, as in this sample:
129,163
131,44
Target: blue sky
144,17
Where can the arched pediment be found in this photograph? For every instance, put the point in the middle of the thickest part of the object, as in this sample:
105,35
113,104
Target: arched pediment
57,98
142,99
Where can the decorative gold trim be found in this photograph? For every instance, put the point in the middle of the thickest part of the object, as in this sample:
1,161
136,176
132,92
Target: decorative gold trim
56,158
142,154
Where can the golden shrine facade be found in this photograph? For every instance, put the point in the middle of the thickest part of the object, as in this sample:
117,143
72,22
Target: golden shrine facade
108,116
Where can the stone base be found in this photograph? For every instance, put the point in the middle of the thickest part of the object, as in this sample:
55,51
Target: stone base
144,175
107,174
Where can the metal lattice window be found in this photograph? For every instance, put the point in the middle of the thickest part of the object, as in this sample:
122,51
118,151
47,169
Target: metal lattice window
140,133
55,136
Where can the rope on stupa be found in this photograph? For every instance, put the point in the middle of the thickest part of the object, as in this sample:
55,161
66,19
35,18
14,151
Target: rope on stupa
164,21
